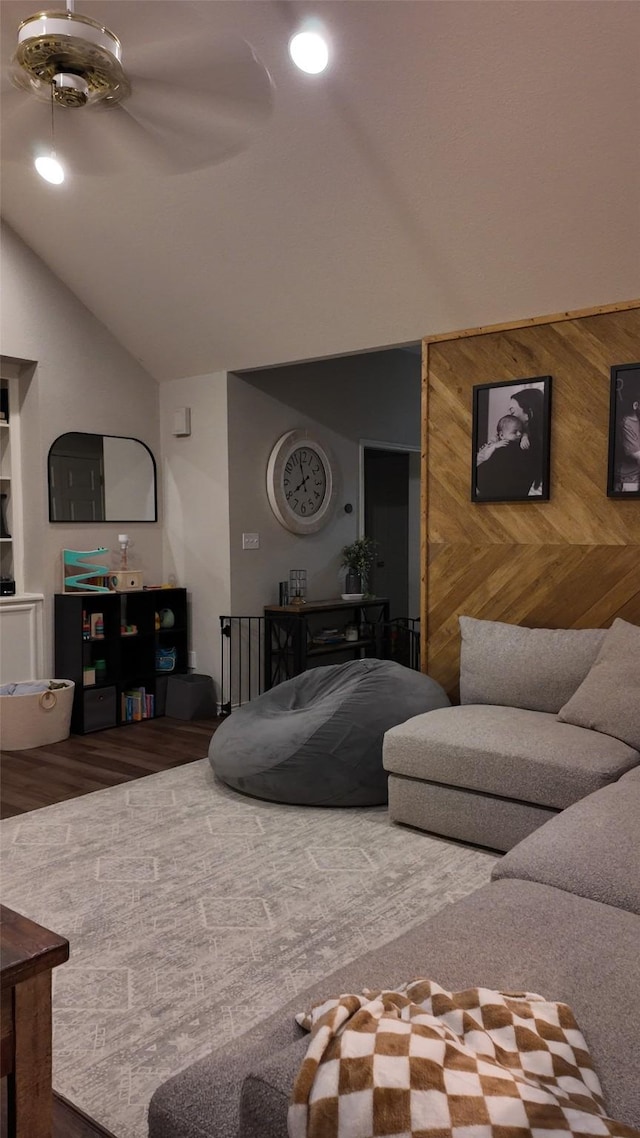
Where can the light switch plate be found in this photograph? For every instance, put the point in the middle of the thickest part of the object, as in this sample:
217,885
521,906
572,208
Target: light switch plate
251,541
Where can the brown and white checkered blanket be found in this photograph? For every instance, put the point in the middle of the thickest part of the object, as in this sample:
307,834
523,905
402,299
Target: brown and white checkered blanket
421,1062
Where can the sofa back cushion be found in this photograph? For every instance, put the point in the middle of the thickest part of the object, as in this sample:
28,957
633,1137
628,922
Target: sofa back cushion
608,700
535,668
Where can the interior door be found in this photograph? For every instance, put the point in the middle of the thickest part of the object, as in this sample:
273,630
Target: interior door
386,520
76,488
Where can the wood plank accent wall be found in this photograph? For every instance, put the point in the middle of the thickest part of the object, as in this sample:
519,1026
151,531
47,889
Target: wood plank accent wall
572,562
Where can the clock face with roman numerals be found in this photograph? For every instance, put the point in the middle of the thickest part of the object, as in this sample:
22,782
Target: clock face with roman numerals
305,482
300,482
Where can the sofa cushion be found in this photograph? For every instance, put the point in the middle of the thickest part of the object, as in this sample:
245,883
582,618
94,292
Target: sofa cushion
608,699
632,776
465,815
506,751
510,935
592,848
534,668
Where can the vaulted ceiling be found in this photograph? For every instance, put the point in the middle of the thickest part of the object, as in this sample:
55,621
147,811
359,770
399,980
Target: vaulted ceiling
460,163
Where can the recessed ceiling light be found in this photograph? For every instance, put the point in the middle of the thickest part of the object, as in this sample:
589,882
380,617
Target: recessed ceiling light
309,52
50,169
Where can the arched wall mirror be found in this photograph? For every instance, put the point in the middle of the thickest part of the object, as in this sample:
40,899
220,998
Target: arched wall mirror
101,478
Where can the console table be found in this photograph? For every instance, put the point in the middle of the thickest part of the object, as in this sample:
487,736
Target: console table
292,635
28,953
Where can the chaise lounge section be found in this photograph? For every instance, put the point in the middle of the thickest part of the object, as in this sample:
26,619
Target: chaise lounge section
497,767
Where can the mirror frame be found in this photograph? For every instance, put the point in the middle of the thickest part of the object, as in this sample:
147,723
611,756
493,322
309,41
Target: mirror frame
105,521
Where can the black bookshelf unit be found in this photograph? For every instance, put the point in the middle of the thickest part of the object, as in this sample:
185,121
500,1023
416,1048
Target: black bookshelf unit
116,661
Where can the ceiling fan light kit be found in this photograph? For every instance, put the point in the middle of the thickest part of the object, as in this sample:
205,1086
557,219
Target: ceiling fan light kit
309,51
50,169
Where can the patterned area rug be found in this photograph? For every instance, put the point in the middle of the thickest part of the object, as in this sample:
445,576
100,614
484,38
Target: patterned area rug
179,897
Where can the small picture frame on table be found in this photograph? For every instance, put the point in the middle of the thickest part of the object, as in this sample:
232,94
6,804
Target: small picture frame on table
623,476
511,441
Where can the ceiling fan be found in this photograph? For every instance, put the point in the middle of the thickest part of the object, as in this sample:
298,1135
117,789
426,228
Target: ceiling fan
176,105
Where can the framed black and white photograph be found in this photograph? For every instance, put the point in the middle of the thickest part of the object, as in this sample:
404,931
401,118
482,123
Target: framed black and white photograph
511,429
624,432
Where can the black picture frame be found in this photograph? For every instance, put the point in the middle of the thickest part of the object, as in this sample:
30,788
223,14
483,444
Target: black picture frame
623,474
511,471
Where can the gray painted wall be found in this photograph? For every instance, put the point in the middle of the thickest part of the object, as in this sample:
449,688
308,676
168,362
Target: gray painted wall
196,496
374,396
84,380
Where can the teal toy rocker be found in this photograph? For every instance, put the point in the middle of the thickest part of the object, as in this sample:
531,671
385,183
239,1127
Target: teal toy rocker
75,559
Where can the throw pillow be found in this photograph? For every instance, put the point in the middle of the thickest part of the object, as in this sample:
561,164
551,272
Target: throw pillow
538,669
608,699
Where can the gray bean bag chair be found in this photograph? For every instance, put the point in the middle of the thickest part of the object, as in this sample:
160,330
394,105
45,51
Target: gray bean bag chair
316,740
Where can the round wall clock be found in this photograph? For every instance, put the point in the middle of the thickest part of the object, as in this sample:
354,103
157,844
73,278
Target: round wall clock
301,484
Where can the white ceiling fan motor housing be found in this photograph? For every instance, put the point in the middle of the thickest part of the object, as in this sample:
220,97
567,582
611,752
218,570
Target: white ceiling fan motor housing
78,56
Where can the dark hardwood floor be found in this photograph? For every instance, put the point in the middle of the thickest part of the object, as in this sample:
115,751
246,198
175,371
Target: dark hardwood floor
68,1120
82,763
71,1122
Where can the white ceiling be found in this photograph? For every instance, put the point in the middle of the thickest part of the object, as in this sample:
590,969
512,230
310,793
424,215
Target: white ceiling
463,162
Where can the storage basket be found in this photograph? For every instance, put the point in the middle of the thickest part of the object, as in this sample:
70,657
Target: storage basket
37,719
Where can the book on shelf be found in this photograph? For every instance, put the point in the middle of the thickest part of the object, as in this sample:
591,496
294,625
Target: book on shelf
328,636
137,704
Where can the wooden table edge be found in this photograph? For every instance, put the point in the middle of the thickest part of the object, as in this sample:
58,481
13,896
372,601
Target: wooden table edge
27,948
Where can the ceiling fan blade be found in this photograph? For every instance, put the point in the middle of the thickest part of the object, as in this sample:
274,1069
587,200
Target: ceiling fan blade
26,128
7,86
132,144
89,142
194,129
86,145
22,124
193,103
215,94
83,142
224,67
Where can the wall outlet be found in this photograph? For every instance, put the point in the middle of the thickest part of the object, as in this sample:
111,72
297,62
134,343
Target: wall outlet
251,541
192,660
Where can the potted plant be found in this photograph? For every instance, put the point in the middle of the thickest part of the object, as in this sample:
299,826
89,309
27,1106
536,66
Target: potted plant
357,559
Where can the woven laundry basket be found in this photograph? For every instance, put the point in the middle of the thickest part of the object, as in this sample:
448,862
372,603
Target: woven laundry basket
37,719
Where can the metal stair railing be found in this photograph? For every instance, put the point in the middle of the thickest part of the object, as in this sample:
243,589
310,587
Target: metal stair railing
242,663
243,647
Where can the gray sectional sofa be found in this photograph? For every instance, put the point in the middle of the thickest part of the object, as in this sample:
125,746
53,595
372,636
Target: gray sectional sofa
505,761
561,917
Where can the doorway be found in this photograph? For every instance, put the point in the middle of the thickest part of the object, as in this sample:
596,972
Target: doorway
390,488
76,480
